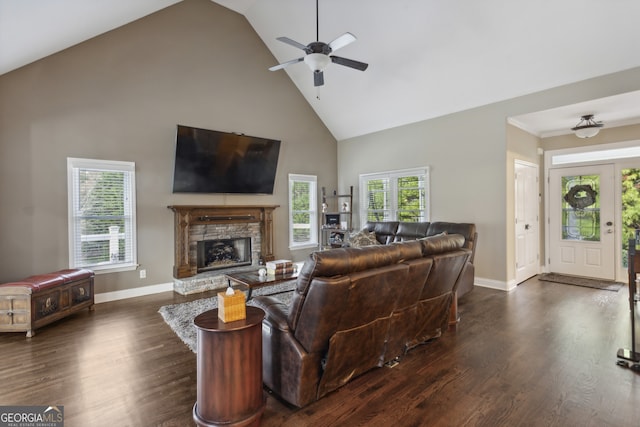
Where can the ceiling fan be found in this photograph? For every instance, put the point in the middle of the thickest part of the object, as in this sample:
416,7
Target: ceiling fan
317,54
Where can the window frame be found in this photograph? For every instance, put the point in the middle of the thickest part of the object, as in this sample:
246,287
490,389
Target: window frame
74,165
313,211
392,192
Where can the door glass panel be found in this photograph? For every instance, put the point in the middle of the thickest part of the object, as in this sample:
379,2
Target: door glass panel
581,208
630,208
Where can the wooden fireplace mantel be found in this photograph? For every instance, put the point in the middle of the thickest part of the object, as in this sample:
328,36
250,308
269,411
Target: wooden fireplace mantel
187,215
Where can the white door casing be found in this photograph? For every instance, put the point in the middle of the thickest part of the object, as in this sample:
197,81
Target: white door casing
527,210
580,245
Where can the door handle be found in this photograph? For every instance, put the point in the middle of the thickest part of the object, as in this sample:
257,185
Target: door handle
526,226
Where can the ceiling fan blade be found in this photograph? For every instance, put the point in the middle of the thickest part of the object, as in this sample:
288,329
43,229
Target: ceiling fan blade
349,63
318,78
284,64
293,43
342,41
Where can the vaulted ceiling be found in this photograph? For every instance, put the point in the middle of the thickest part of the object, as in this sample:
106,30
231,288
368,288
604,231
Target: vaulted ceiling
427,58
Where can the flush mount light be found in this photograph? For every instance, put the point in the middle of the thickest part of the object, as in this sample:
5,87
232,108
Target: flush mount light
587,127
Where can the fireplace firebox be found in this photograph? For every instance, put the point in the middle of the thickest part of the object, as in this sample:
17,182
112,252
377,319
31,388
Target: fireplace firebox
216,254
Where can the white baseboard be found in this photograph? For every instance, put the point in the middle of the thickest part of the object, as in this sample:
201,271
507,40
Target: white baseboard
132,293
165,287
493,284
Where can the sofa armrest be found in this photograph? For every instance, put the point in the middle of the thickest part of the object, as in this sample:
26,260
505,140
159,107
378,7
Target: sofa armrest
465,282
287,369
276,312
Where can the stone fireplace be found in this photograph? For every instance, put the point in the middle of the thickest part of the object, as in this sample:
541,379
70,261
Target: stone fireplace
212,240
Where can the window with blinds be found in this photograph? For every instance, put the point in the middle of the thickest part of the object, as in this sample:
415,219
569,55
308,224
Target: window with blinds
102,214
395,196
303,212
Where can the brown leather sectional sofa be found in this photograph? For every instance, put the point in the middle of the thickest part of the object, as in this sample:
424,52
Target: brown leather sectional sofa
354,309
397,231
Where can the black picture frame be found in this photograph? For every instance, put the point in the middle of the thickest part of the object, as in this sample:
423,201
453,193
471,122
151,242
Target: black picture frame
332,220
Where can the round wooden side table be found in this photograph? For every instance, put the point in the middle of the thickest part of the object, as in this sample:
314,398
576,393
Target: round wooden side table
229,390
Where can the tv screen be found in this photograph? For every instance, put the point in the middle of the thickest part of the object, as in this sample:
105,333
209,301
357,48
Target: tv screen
209,161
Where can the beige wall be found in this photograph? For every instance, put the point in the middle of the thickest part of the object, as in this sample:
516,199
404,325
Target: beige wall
119,97
467,153
467,173
605,136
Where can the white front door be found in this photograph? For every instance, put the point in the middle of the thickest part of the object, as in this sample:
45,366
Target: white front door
527,227
581,221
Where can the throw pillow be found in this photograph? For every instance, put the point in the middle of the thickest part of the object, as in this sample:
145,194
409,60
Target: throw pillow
363,238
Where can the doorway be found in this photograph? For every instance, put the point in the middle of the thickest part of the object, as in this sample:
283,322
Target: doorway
621,198
581,232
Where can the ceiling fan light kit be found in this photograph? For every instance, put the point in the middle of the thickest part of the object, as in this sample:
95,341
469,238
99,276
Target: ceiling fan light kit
317,61
587,127
317,54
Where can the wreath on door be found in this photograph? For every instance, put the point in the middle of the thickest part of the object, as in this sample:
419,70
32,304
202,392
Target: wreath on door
581,196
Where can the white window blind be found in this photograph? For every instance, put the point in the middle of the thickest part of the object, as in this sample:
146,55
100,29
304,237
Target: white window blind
102,220
303,212
395,196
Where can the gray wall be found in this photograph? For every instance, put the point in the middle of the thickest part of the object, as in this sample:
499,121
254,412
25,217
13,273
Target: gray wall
467,153
119,96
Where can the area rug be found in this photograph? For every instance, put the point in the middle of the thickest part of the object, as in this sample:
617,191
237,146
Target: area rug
605,285
180,317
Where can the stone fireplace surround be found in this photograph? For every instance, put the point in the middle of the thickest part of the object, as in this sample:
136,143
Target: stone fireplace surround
193,223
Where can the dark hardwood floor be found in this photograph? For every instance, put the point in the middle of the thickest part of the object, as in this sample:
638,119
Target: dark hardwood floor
542,355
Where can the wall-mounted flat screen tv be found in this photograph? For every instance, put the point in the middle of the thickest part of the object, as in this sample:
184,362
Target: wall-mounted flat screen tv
209,161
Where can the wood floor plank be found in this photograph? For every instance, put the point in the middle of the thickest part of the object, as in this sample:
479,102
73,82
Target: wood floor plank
542,355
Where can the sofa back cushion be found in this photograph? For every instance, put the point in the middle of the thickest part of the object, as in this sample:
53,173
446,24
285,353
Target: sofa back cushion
411,231
465,229
385,230
440,243
335,303
332,281
445,272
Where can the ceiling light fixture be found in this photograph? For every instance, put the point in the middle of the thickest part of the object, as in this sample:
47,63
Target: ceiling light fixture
587,127
317,61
